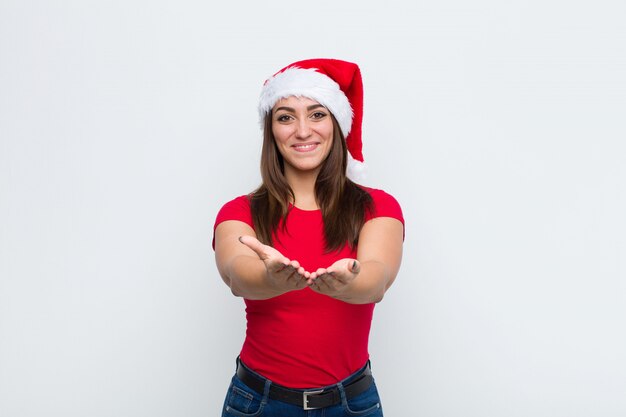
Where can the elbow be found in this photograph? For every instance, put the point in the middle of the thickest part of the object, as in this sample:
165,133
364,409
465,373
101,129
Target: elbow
370,298
379,292
378,297
236,291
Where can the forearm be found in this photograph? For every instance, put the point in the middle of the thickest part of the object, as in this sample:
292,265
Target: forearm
247,278
369,286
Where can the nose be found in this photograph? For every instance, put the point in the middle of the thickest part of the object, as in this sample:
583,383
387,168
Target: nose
303,129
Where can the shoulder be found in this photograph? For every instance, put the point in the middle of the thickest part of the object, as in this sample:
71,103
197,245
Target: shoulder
382,200
383,205
379,195
236,209
241,201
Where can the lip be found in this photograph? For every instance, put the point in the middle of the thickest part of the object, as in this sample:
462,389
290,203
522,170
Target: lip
305,147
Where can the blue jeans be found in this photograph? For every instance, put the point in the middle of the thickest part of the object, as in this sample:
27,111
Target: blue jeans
242,401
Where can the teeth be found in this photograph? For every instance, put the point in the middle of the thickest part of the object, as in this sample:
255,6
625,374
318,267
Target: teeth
304,146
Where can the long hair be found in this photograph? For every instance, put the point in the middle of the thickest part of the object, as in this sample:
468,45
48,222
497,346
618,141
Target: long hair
342,202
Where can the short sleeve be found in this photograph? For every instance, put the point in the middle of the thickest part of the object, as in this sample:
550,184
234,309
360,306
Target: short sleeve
236,209
385,205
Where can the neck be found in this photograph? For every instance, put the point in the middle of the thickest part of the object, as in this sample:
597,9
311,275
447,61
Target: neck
302,184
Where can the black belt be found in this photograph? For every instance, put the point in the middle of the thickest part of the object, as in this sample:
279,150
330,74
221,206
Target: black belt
307,399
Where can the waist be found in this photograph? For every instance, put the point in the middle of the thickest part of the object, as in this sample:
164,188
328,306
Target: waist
308,398
320,366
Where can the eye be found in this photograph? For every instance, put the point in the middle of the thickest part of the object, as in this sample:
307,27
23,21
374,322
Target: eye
283,118
318,115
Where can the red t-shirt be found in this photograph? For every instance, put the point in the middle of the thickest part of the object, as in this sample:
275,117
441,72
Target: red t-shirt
304,339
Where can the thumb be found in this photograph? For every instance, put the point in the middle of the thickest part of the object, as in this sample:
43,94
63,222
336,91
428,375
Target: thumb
355,267
254,244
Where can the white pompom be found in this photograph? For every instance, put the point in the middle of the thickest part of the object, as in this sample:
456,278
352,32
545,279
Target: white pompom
356,171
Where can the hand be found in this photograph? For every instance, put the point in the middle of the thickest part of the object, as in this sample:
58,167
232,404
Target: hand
336,278
282,273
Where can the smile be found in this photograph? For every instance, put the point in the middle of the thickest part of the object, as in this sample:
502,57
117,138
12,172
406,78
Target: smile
305,147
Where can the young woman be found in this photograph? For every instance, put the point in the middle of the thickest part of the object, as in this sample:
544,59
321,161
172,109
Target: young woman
310,251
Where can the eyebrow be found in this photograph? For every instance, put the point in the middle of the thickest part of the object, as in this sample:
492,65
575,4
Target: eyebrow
292,110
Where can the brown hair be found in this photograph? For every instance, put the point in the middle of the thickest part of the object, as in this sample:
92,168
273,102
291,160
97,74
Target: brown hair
343,203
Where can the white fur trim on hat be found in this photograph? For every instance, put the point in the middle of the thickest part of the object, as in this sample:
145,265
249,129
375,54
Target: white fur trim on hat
308,83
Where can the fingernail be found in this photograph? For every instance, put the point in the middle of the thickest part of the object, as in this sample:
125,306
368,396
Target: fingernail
353,265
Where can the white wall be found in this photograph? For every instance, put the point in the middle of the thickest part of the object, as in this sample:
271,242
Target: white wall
125,125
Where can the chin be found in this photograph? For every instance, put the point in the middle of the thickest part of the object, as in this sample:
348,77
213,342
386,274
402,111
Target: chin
305,168
305,165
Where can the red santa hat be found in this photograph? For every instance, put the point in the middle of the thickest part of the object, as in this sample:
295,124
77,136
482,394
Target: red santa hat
333,83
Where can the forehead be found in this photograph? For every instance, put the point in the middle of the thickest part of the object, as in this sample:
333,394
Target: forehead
295,102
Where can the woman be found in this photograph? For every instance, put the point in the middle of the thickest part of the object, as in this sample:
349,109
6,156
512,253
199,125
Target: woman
310,251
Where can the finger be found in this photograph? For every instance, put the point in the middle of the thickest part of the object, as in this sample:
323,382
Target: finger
306,274
316,274
254,244
283,268
266,253
296,277
355,267
323,282
342,279
302,281
314,284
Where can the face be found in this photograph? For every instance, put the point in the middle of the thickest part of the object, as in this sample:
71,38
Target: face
303,130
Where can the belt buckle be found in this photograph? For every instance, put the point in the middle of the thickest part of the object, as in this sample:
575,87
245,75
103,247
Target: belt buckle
305,399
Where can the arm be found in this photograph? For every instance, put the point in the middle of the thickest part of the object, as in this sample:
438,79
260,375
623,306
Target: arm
365,279
253,270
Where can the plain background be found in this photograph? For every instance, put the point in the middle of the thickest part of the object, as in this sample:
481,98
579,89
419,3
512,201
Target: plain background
499,126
